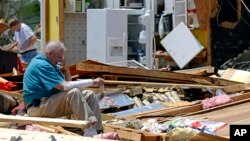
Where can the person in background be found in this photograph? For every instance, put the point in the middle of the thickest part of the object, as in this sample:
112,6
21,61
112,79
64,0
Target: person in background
25,38
47,94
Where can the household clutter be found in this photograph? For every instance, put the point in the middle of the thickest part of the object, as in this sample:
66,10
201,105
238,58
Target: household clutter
158,86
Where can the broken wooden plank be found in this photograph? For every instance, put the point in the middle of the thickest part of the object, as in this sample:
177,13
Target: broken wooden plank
153,84
236,75
44,121
24,135
236,88
224,82
208,70
139,78
138,72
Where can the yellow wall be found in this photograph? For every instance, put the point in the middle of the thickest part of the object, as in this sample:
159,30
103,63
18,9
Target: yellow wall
53,21
202,36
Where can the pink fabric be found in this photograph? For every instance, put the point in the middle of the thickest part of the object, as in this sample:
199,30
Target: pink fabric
32,127
215,101
110,135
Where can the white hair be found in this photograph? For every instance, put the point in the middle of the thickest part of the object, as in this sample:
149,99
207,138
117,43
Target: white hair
54,46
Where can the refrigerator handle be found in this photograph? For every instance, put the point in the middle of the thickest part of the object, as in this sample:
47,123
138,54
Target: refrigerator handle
124,48
124,39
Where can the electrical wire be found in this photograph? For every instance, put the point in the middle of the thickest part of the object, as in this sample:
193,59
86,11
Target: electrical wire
231,5
245,6
219,11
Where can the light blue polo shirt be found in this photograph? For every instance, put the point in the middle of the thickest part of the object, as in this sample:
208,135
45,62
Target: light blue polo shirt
40,79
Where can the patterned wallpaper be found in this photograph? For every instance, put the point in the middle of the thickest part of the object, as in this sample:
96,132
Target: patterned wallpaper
75,36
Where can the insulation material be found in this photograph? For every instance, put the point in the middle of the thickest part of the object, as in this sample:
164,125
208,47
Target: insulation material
110,136
215,101
229,13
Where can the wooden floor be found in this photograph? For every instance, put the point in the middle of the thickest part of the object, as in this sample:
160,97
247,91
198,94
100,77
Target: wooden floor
237,114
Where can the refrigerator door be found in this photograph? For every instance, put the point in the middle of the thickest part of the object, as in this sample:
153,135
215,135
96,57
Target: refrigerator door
116,35
96,35
107,35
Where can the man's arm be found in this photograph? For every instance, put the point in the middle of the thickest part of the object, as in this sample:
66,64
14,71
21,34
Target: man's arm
32,40
66,70
66,85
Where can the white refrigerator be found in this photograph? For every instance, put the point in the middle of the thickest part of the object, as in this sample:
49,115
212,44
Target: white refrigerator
119,35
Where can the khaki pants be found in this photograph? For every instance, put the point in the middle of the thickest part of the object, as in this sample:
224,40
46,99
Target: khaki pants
83,104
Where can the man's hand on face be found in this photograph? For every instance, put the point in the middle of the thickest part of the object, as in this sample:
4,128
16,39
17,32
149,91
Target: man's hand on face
98,82
62,63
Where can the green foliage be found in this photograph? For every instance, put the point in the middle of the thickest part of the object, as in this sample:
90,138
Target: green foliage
28,10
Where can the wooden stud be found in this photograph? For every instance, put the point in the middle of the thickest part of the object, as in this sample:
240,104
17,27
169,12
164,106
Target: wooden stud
163,84
44,121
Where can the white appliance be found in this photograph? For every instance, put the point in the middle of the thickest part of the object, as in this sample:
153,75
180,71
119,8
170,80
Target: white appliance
120,35
106,35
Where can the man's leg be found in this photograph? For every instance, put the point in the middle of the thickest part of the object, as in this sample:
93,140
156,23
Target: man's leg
92,101
64,104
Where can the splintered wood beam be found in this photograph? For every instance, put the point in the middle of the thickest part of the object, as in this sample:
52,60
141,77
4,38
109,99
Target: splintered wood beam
44,121
237,88
199,71
162,84
88,67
